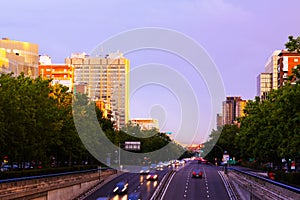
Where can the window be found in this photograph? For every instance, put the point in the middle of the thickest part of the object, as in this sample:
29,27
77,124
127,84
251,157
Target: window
296,60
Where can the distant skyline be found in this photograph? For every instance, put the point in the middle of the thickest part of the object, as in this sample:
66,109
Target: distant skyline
239,36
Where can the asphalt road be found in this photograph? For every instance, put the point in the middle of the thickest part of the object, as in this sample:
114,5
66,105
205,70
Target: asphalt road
136,183
183,186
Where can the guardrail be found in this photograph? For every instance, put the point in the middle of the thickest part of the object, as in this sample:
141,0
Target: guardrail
252,186
52,175
291,188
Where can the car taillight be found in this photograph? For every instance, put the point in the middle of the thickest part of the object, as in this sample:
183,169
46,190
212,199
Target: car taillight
194,173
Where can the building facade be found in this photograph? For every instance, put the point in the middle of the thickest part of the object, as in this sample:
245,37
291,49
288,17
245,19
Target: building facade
219,120
264,85
106,79
146,123
271,67
59,73
287,61
233,108
18,57
278,68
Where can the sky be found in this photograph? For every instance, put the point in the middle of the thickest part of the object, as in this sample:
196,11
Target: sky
238,36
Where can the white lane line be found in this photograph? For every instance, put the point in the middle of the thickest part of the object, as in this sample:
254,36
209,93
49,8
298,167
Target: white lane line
166,188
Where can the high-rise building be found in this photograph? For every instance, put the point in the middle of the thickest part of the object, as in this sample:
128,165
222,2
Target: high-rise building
271,67
287,61
106,79
59,73
233,108
277,70
264,85
219,120
17,57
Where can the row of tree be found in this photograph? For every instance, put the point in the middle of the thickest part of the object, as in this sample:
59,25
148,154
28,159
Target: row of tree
270,129
37,125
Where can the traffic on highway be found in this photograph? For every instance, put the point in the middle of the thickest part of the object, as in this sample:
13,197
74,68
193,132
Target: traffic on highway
177,179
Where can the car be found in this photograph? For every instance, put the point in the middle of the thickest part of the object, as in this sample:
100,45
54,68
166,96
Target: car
102,198
121,187
7,167
145,170
152,176
134,196
160,165
197,173
152,166
204,161
167,163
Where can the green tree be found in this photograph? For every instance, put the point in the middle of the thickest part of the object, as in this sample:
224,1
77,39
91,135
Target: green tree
293,44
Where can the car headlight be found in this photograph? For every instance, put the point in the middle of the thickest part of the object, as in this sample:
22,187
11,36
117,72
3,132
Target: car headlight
116,188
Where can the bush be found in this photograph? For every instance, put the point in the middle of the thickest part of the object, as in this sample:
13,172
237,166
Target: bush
288,178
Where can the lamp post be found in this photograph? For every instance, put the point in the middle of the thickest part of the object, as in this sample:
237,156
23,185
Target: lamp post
119,155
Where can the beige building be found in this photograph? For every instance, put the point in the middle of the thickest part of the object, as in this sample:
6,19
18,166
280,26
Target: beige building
272,67
146,123
105,79
17,57
264,85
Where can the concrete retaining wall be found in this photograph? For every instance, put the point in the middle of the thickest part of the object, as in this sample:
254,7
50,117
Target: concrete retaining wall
52,188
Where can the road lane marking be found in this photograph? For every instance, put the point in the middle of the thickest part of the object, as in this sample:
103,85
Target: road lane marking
168,184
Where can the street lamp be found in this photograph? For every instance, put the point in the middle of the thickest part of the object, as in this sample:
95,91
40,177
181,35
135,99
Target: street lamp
120,155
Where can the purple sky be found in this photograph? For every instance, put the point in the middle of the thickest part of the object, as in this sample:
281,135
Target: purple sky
239,36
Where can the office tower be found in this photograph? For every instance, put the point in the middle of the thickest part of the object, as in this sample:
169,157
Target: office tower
17,57
233,108
271,67
264,85
106,79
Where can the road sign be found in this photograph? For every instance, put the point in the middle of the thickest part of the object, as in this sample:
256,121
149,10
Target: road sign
225,158
133,145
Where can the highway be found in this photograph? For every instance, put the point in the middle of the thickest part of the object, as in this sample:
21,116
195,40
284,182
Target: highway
136,183
181,185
